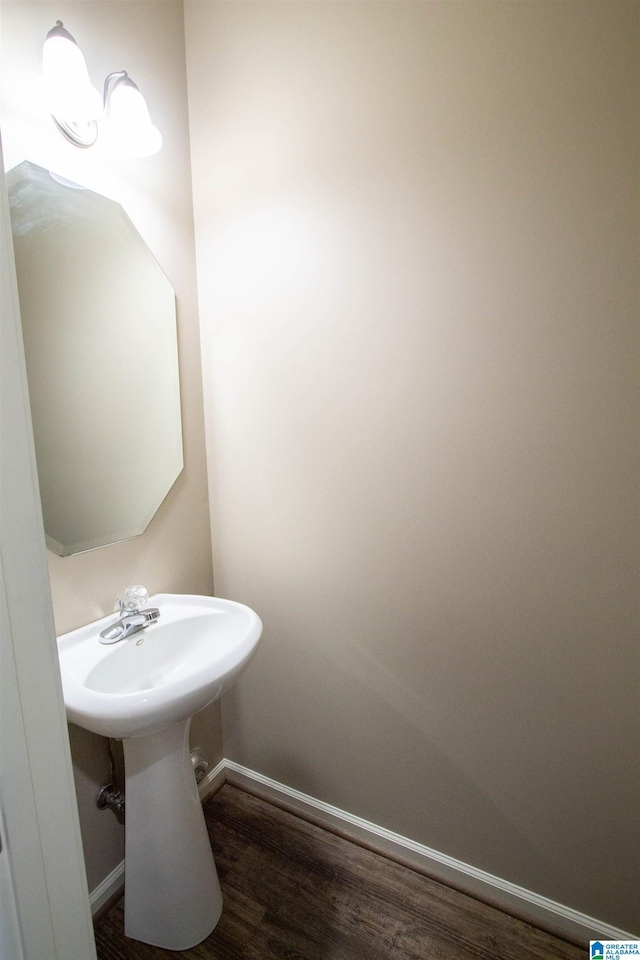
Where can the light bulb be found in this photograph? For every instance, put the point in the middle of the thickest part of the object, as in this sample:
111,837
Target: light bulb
129,121
68,88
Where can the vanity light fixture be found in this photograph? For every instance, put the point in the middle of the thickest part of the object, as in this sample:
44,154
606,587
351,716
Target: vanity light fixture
78,109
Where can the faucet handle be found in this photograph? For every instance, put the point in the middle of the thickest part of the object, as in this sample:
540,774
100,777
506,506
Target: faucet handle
133,599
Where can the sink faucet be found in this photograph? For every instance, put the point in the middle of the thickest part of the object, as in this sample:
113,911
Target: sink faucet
133,615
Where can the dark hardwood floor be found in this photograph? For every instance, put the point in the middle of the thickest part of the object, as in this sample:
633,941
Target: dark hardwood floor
293,891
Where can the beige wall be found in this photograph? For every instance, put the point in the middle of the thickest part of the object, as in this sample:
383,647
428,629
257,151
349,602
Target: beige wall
174,554
417,236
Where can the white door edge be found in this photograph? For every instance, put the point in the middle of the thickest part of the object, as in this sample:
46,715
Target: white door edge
42,868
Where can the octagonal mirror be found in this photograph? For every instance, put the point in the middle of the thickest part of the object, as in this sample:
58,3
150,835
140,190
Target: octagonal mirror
99,326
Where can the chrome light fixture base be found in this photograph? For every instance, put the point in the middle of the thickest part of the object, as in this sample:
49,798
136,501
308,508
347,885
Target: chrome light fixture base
82,133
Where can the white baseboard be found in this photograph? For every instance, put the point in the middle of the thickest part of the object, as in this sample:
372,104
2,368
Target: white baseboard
538,910
544,913
213,781
111,885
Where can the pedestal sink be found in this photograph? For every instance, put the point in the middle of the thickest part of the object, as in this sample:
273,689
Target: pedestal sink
144,690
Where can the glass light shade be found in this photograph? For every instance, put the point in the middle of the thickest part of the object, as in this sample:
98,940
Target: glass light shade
67,86
130,125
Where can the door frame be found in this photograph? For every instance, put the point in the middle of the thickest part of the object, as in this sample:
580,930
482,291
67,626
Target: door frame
43,881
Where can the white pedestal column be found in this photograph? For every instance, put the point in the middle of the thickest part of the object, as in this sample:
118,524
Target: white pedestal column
172,894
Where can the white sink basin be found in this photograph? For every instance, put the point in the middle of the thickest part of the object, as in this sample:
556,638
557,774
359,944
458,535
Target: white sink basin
160,675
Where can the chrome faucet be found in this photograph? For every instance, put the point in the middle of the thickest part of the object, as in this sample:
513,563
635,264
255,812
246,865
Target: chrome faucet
132,617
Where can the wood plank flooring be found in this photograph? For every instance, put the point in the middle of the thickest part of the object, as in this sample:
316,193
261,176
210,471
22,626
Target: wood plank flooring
293,891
